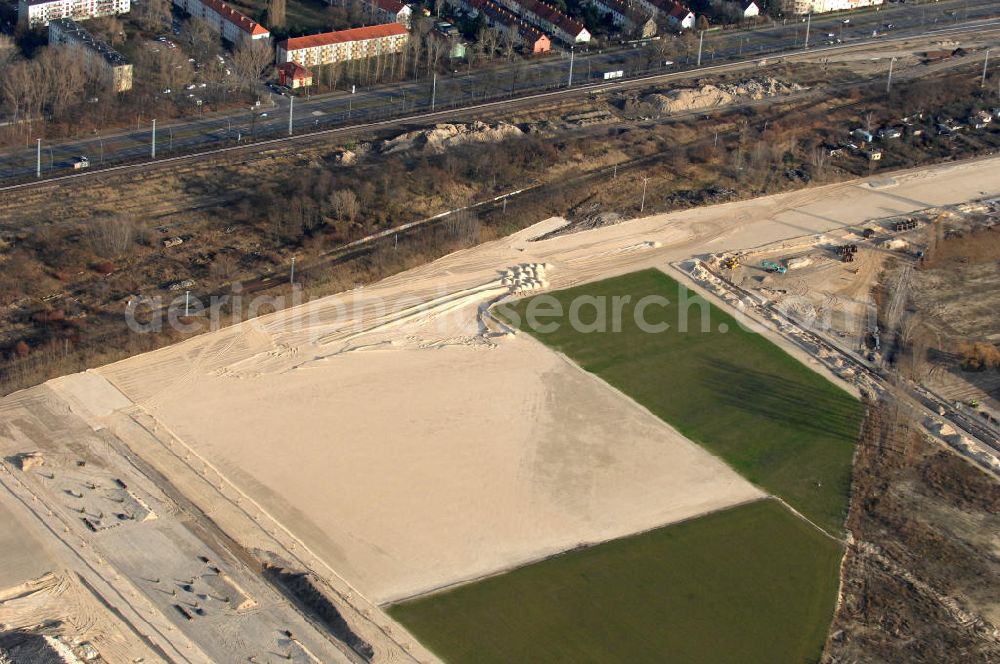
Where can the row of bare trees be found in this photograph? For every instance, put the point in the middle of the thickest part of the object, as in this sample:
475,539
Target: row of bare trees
51,84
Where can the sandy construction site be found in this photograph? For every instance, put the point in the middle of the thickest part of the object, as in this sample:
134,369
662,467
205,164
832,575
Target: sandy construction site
409,450
393,439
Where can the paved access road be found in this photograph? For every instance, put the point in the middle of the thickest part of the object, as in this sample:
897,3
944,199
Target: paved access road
462,88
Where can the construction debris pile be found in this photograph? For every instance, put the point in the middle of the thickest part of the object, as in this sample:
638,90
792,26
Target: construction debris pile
710,96
443,136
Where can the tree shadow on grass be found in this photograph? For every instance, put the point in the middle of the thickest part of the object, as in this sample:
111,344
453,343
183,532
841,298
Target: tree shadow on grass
797,405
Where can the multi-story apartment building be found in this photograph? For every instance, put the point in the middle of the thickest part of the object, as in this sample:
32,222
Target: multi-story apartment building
387,11
343,45
531,39
67,33
231,24
822,6
34,13
548,18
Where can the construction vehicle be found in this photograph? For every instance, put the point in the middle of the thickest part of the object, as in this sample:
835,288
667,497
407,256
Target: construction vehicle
847,252
731,262
773,268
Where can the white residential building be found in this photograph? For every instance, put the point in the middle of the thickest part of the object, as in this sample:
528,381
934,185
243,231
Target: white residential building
231,24
677,15
387,11
343,45
34,13
822,6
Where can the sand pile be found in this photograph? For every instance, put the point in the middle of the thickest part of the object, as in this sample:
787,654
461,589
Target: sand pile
709,96
799,263
525,277
444,136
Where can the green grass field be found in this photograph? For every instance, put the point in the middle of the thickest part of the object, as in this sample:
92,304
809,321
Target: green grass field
780,424
750,584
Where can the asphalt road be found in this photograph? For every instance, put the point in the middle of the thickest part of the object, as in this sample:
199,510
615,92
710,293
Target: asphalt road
469,88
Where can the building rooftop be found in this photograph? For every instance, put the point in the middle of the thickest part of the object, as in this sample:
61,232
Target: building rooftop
498,13
244,23
627,8
680,12
76,31
344,36
552,15
393,6
295,70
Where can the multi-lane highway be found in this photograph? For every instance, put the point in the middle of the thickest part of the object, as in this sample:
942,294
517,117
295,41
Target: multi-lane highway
507,82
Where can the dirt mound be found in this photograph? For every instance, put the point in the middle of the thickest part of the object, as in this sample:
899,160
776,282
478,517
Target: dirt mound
444,136
710,96
313,594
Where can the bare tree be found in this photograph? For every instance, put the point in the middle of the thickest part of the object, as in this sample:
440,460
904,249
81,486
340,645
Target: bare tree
164,68
202,41
345,205
153,15
22,90
869,121
489,41
435,49
223,267
250,59
276,10
8,49
509,41
819,161
112,237
63,78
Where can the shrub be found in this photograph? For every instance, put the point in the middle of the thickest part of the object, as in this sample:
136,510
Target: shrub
979,356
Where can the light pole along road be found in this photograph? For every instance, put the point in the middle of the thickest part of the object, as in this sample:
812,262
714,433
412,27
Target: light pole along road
448,94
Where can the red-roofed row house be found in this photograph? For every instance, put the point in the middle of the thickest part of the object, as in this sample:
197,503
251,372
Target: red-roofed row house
233,25
529,37
343,45
548,18
629,15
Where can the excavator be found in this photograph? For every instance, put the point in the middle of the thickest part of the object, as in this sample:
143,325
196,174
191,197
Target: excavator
772,267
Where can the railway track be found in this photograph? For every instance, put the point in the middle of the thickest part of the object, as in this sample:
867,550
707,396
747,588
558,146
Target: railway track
932,404
506,103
